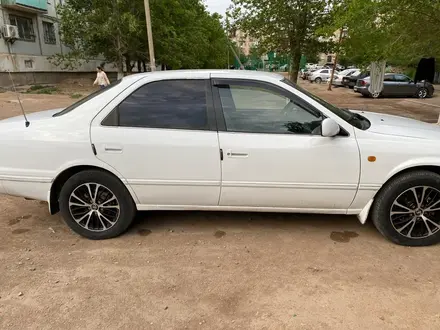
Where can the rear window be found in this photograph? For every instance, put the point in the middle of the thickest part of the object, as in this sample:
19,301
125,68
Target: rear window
84,100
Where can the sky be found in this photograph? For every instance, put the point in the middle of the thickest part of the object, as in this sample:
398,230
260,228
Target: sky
218,6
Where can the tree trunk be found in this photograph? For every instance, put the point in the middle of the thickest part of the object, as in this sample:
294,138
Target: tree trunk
120,69
120,59
128,63
139,65
296,60
144,66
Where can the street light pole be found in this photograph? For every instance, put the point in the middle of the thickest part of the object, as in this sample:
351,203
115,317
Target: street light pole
150,36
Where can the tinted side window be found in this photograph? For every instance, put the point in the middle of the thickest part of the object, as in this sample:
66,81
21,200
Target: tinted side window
174,104
389,78
324,71
402,78
259,110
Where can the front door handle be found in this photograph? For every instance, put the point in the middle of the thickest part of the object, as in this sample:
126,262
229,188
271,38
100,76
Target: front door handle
236,154
113,148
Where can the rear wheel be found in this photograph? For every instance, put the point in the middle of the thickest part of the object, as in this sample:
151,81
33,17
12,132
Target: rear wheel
422,93
407,209
318,80
96,205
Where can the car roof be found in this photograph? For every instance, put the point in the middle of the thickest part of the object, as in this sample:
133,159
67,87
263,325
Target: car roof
186,74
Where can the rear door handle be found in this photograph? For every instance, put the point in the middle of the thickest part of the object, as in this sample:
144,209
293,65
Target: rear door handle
113,148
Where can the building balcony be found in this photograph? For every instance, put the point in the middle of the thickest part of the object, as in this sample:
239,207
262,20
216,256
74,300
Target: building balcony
30,6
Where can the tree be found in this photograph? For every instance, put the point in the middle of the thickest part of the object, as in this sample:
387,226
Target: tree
387,30
185,34
289,27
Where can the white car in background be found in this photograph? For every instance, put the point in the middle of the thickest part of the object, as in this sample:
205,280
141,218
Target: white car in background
223,141
321,75
337,79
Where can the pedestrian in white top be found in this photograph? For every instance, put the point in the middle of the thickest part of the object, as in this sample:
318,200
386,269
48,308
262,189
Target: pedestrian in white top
101,78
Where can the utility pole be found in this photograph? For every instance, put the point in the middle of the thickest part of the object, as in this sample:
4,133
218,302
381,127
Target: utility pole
150,36
335,61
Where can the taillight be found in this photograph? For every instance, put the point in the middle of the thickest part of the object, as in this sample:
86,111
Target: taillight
362,82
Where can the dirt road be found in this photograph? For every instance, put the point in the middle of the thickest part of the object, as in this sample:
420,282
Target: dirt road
191,270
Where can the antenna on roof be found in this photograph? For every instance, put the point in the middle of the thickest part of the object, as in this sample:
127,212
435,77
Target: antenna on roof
26,121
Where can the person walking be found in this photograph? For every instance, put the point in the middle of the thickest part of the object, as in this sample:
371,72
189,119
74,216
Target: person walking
101,78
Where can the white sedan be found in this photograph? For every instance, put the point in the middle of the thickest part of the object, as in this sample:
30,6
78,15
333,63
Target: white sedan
223,141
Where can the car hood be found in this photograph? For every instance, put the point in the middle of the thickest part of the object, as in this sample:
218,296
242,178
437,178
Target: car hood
32,117
400,126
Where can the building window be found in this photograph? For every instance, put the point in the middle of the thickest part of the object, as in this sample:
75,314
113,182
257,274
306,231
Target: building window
28,64
49,33
25,27
329,58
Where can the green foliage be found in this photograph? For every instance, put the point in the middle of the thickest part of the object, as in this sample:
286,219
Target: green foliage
291,27
398,31
40,89
185,35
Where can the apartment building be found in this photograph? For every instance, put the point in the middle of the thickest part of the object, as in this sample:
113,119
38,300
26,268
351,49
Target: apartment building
26,55
242,40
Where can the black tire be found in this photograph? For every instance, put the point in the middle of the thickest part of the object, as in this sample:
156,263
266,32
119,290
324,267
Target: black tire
318,80
127,208
351,87
380,213
422,93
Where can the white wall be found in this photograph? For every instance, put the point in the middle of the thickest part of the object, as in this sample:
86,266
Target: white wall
16,63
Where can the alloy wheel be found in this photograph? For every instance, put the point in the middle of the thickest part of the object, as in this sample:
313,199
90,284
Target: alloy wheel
415,213
423,93
94,207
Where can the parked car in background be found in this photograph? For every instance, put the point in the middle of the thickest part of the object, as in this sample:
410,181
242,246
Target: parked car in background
397,85
337,79
305,74
320,75
311,66
351,80
284,68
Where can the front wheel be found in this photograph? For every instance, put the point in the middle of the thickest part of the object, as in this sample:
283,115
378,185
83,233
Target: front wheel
96,205
318,80
422,93
407,209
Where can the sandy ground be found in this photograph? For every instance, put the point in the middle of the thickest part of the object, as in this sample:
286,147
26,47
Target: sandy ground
191,270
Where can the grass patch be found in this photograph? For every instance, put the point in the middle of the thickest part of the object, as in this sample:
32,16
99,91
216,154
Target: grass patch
76,96
36,87
40,89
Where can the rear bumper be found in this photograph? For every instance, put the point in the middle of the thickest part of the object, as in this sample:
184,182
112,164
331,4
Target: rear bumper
27,189
361,89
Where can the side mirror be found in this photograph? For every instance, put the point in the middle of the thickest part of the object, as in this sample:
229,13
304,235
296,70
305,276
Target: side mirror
329,128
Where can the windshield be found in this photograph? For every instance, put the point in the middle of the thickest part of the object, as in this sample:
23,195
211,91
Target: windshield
352,118
84,100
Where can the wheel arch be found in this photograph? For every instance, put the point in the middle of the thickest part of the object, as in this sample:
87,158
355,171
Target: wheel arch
66,174
365,213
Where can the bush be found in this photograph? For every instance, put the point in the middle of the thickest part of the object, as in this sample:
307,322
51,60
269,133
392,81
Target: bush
39,89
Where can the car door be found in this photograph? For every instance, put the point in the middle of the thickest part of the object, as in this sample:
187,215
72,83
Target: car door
390,86
325,74
405,85
274,155
161,136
